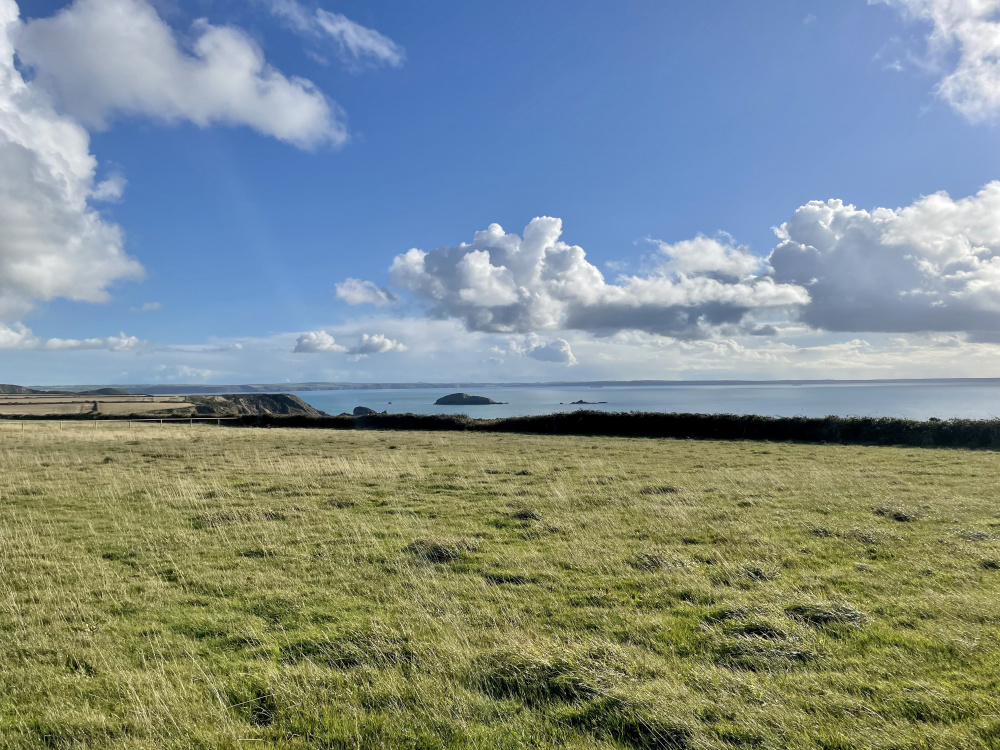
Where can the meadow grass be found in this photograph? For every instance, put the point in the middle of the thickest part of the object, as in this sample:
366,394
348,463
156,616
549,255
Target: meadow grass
201,587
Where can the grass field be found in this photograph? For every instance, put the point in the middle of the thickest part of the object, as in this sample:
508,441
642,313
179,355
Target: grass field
204,587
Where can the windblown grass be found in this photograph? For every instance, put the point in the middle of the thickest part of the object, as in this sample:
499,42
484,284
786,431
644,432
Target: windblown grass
202,587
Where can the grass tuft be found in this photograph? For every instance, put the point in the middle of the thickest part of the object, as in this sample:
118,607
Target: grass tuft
660,489
373,647
632,723
901,515
440,550
826,614
530,678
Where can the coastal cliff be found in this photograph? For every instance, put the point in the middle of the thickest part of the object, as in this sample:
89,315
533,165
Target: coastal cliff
239,404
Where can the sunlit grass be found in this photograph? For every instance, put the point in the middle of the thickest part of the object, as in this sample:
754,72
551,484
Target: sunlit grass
177,586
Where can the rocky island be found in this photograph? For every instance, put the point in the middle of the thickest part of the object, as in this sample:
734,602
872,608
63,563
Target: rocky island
464,399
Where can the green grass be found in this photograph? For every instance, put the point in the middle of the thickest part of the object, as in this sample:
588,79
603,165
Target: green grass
204,587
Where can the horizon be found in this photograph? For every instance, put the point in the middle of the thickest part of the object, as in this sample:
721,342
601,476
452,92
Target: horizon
284,190
418,385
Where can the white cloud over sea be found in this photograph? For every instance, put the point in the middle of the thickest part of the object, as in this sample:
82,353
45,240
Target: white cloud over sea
503,282
932,266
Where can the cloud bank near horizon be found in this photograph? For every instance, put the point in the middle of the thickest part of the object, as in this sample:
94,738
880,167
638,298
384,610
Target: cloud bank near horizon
506,283
932,266
322,342
18,336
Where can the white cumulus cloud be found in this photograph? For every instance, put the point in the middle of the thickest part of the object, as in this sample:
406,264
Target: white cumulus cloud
554,351
716,258
358,292
532,346
52,241
964,41
101,58
316,342
557,350
376,343
930,266
505,283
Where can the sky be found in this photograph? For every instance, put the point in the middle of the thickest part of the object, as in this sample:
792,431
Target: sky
268,191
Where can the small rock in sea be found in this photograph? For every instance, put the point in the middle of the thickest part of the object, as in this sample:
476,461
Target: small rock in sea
363,411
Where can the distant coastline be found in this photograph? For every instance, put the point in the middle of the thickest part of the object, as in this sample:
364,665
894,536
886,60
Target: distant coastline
202,389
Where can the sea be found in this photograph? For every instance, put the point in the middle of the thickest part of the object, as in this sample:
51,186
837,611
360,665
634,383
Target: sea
924,399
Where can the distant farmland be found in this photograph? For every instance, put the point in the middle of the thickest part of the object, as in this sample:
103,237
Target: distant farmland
68,404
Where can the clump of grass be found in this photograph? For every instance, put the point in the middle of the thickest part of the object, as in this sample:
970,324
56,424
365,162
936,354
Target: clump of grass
342,502
373,646
976,535
441,550
822,532
872,536
525,514
513,579
530,677
633,723
724,614
749,642
990,564
648,561
761,574
660,489
253,702
826,614
753,655
257,552
756,628
234,517
902,515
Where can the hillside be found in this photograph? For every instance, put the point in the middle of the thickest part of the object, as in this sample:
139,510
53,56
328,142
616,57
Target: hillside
16,389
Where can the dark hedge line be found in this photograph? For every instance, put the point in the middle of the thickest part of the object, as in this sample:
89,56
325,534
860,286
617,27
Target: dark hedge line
955,433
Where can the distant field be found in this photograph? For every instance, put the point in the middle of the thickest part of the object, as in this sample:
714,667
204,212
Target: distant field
64,407
204,587
40,405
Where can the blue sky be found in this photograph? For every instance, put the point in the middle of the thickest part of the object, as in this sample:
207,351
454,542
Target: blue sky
280,190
